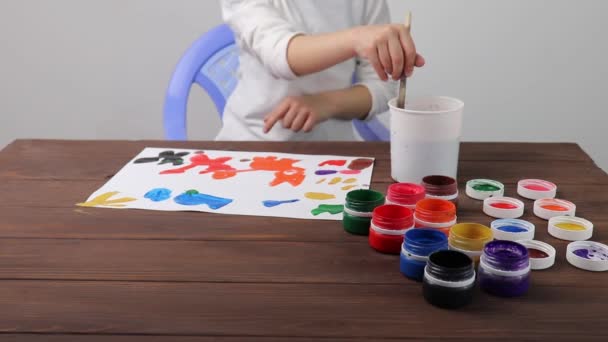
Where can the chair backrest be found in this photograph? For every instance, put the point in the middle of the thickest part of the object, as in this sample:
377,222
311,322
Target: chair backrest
212,62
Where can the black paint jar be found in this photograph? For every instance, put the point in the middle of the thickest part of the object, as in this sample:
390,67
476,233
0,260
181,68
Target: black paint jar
449,279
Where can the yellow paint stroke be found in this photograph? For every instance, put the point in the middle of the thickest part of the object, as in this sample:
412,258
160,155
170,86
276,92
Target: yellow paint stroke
335,181
348,187
321,180
350,181
104,200
570,226
319,196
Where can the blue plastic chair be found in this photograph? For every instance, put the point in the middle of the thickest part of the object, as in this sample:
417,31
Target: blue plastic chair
212,62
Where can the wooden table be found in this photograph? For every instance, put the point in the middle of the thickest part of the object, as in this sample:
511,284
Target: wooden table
88,274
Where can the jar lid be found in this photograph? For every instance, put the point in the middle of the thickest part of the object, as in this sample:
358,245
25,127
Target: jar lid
570,228
481,189
588,255
503,207
536,189
512,229
542,255
547,208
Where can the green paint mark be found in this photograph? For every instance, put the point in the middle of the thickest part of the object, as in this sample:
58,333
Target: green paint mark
332,209
485,187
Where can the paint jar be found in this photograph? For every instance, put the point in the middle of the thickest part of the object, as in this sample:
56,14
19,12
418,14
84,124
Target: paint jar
504,269
405,194
436,214
358,210
481,189
469,238
503,207
449,279
441,187
570,228
389,223
418,244
512,229
542,254
588,255
536,189
425,138
547,208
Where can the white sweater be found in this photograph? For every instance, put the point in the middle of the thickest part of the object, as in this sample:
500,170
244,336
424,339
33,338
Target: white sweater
263,29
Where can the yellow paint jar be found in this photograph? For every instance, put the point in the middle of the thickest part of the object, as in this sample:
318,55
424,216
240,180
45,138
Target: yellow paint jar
469,238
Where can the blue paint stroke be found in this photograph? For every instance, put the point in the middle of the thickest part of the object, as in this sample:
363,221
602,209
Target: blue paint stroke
158,194
270,203
325,172
193,197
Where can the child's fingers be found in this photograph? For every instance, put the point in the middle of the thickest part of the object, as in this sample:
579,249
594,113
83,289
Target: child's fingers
373,59
309,124
290,116
420,61
385,58
397,58
276,115
300,120
409,48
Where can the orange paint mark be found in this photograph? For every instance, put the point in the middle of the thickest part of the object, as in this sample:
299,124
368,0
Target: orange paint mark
554,207
285,171
335,181
319,196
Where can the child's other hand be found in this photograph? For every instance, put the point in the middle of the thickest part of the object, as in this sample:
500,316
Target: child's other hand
298,113
390,49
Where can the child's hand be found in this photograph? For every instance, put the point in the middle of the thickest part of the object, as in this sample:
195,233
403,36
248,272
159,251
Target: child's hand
298,113
389,48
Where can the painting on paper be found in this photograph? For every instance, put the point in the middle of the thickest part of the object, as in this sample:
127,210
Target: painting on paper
240,183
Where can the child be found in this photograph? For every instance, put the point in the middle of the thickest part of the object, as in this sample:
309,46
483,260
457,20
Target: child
297,60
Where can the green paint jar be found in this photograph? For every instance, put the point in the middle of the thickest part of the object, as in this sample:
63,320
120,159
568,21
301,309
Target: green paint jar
358,210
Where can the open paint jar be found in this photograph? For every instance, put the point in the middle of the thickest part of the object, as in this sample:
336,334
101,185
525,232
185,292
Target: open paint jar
389,223
418,244
481,189
503,207
536,189
547,208
588,255
570,228
470,239
449,279
542,254
441,187
358,210
512,229
504,269
405,194
436,214
425,137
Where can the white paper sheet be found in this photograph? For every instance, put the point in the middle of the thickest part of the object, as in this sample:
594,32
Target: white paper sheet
240,183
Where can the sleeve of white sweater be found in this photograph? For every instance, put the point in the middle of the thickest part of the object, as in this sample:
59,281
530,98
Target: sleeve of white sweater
376,12
261,30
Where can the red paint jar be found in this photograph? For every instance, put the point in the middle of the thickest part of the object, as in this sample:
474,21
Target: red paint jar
441,187
435,213
389,224
405,194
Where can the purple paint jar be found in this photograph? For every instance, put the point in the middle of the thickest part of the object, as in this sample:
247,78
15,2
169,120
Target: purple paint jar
504,269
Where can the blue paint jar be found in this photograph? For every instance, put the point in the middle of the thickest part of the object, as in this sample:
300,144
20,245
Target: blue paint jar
418,244
504,269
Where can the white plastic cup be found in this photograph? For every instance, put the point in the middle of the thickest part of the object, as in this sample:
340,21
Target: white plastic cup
425,138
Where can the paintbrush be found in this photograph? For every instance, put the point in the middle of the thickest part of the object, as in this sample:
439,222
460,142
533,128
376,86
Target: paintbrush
403,82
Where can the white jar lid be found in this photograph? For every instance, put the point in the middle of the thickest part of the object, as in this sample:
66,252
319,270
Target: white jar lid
570,228
475,189
540,263
588,255
536,189
547,208
503,207
512,229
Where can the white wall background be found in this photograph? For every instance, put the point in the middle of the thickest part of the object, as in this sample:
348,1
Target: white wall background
528,70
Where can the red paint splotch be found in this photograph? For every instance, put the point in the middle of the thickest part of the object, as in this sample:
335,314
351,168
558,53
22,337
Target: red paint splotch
336,162
217,166
350,172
